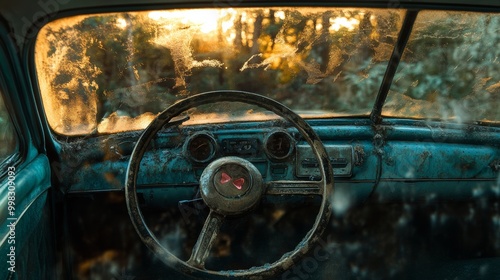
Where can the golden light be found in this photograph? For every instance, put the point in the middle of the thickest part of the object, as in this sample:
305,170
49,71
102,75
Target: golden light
206,20
226,25
121,23
280,15
230,38
342,22
228,17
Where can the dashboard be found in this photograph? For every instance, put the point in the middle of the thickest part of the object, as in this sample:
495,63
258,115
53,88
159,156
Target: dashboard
418,163
177,156
275,153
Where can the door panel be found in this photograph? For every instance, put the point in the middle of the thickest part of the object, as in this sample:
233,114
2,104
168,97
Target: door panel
26,239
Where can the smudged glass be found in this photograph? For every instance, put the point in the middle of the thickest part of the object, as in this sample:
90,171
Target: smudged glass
450,69
115,72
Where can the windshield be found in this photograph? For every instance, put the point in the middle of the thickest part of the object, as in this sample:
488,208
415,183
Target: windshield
114,72
450,69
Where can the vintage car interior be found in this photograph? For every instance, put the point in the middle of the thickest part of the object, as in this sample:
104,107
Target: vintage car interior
232,139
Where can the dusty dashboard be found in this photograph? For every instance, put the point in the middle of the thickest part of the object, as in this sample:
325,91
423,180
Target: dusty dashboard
276,153
177,157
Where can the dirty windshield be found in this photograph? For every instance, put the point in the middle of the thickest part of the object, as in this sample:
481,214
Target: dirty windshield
450,69
115,72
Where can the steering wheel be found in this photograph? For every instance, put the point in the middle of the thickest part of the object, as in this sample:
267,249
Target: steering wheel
243,195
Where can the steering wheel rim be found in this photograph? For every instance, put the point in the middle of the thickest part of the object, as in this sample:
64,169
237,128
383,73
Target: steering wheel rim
288,259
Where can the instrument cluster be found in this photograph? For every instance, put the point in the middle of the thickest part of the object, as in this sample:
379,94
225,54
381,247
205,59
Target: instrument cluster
202,147
276,149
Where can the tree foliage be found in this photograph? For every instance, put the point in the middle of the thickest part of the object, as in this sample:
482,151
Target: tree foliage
450,68
328,60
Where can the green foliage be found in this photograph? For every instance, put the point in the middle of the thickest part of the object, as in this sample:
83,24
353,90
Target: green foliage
451,66
138,65
131,63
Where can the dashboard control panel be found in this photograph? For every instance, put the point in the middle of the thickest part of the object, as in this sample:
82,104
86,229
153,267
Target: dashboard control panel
276,150
240,146
341,157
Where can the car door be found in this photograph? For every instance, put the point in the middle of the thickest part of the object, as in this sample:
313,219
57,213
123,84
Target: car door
26,239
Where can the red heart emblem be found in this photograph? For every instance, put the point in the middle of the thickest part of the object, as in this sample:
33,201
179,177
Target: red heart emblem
224,178
238,183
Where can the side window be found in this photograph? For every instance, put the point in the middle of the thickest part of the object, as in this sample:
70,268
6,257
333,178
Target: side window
8,139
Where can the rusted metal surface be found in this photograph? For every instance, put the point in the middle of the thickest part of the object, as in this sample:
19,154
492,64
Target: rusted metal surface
171,260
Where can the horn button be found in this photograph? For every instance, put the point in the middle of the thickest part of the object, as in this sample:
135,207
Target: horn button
232,180
231,185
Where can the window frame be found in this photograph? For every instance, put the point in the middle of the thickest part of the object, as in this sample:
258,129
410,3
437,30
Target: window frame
14,158
9,92
10,123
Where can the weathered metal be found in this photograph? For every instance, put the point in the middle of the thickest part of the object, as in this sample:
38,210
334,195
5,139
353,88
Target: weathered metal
216,202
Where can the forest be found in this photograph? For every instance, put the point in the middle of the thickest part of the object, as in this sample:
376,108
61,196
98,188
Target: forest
113,72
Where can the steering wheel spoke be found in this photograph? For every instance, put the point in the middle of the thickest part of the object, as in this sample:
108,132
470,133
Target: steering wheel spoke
206,239
299,188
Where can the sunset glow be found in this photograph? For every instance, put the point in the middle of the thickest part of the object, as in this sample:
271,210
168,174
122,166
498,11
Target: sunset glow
343,22
205,20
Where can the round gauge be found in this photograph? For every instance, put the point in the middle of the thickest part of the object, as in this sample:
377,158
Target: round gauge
279,145
201,147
